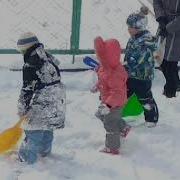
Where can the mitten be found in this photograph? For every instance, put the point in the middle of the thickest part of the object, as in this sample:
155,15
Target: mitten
94,89
104,109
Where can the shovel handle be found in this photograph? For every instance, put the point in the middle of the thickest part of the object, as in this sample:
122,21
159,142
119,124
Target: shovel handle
22,120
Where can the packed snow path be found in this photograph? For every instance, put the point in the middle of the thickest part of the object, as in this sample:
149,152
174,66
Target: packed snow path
145,155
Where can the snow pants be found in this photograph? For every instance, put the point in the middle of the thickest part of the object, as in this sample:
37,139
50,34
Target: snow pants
36,143
142,89
113,124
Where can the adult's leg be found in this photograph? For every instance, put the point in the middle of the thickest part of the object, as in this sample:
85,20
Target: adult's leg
170,71
178,86
164,68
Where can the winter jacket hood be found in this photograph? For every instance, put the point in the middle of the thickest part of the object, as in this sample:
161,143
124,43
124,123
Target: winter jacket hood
108,52
31,57
111,74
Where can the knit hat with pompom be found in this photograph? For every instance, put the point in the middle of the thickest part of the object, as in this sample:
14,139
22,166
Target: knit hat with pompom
138,20
26,41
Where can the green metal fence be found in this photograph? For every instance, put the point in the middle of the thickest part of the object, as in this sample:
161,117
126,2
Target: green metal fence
75,36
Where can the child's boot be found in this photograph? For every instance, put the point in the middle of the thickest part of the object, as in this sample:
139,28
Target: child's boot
110,151
150,124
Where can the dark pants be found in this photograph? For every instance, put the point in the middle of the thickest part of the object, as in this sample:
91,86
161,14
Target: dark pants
170,71
142,89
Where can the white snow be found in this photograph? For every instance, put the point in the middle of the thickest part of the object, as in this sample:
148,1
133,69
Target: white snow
108,18
51,21
146,154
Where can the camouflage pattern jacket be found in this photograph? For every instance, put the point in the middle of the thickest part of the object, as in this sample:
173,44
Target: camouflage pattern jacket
139,57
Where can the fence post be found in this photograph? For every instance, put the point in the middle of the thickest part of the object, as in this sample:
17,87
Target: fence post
75,26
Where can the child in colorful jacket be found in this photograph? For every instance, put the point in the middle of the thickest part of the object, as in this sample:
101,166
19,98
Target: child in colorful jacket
139,59
42,98
113,93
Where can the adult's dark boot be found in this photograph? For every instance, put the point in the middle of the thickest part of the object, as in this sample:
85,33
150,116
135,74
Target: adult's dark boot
169,94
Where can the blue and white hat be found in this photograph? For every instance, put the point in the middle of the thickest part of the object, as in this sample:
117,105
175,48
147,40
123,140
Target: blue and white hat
138,20
26,41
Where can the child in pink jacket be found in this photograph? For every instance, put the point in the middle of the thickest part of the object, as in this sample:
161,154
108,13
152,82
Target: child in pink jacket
111,83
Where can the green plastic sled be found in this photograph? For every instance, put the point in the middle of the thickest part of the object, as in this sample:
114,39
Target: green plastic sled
132,108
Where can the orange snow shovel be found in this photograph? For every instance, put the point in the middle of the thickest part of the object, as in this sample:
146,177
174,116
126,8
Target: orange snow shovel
10,137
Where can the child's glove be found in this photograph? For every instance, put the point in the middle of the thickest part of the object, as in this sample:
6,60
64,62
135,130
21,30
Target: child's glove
158,56
94,89
103,109
96,68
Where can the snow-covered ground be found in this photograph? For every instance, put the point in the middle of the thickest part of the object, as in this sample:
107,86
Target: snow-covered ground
145,155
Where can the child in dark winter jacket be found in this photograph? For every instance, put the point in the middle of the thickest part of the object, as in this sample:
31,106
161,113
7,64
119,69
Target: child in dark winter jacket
139,59
42,98
113,93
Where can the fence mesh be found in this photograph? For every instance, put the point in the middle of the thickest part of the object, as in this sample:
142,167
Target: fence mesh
49,19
